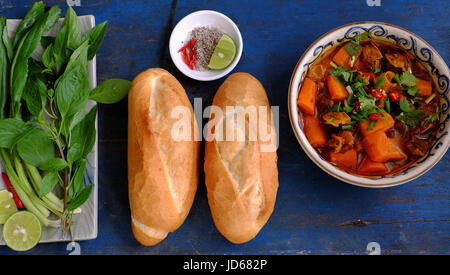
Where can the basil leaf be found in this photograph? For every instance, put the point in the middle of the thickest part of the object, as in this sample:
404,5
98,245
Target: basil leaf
82,137
95,37
111,91
3,73
10,130
36,147
47,57
72,88
32,16
79,177
59,48
47,40
79,200
19,68
74,29
5,38
35,95
48,183
54,164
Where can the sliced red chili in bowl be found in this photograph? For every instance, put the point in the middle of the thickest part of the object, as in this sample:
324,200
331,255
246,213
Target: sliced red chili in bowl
376,93
394,95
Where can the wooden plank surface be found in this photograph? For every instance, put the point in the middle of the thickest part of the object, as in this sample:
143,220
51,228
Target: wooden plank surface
314,213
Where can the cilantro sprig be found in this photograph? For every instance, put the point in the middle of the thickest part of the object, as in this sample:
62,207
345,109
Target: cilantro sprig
354,46
409,116
408,82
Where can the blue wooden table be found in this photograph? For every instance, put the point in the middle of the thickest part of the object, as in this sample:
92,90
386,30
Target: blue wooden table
314,213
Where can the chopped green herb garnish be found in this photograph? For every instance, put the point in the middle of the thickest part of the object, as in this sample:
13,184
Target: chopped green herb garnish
333,65
387,104
410,116
376,70
353,47
346,127
362,36
380,82
407,79
413,91
343,73
432,118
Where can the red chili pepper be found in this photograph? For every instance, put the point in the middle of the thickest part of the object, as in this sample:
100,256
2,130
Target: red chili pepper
193,59
376,93
394,95
190,58
185,57
358,107
375,116
188,44
16,198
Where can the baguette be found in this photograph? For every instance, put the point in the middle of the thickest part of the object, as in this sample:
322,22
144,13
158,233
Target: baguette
162,171
241,179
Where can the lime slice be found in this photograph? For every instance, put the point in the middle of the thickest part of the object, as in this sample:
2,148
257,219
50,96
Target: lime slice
22,231
223,54
5,195
7,206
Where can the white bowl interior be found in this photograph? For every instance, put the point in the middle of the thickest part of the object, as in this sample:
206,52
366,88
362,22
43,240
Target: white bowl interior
180,35
420,49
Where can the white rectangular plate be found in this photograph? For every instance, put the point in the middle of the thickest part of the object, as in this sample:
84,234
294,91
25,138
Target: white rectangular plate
85,223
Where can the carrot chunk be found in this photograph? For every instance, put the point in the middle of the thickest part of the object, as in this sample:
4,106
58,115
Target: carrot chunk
370,167
347,159
336,89
377,146
381,124
425,88
307,97
396,154
342,58
314,132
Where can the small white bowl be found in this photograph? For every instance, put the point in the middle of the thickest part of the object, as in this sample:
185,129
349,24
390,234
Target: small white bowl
414,45
202,18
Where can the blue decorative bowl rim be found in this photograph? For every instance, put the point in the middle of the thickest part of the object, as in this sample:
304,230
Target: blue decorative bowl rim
412,43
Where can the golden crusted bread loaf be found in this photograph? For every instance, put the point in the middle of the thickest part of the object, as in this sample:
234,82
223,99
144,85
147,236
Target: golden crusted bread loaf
162,171
241,175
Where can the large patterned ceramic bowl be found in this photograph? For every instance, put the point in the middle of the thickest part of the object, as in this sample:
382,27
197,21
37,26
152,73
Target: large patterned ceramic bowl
414,45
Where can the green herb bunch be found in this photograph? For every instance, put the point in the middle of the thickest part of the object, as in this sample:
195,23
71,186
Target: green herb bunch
46,133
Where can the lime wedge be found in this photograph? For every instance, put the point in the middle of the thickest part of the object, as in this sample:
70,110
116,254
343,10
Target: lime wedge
7,206
223,54
22,231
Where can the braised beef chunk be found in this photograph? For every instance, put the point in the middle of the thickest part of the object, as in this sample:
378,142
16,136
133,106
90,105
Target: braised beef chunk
418,147
372,55
342,142
429,109
323,101
398,60
336,118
